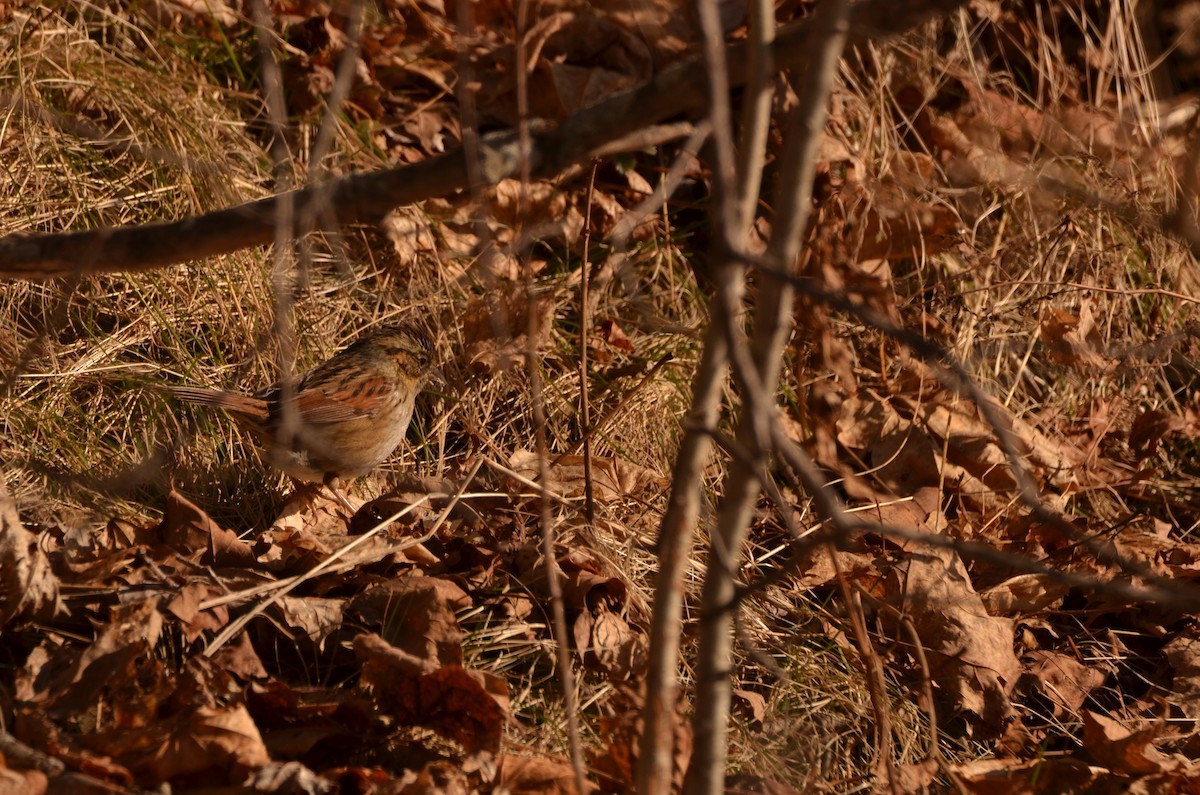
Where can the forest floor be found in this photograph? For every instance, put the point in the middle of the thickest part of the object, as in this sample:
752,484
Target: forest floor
1011,185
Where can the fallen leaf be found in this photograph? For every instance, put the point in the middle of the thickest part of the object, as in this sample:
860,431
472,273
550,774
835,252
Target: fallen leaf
1024,593
1062,680
970,652
222,740
28,587
528,775
1125,750
468,707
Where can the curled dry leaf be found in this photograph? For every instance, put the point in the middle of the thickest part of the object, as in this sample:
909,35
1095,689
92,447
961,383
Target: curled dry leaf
751,704
971,443
1150,427
119,666
577,57
1074,340
411,234
970,653
239,658
418,616
185,606
222,740
528,775
608,643
313,617
1024,593
538,206
1062,680
1125,750
28,587
468,707
1183,655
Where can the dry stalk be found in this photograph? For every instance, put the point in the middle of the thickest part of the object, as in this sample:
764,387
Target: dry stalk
554,575
828,34
285,226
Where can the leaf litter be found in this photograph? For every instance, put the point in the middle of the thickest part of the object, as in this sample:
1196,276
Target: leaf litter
362,676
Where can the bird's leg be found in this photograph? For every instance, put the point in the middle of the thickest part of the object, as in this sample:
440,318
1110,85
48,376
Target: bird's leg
333,484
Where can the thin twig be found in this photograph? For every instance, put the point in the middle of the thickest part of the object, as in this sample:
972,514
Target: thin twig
585,327
873,673
533,363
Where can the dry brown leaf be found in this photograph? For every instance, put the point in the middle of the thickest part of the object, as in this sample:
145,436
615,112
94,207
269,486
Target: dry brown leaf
468,707
416,615
751,704
612,478
1024,593
1075,130
1024,777
1183,655
185,605
1074,340
621,730
971,442
539,206
918,776
579,58
222,740
882,221
526,775
28,587
32,727
612,333
618,650
118,665
970,653
666,26
859,569
239,658
1126,750
314,617
1064,681
495,327
411,234
1149,428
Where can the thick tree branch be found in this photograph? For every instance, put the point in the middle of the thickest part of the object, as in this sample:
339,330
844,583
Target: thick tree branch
367,198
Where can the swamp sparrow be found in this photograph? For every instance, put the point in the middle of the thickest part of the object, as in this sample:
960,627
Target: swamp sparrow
346,416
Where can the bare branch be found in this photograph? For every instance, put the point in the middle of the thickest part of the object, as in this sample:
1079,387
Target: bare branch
367,198
713,690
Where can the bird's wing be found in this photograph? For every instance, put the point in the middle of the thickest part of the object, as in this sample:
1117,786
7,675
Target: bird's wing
351,399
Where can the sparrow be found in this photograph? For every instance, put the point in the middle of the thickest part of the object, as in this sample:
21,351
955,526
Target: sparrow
347,415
